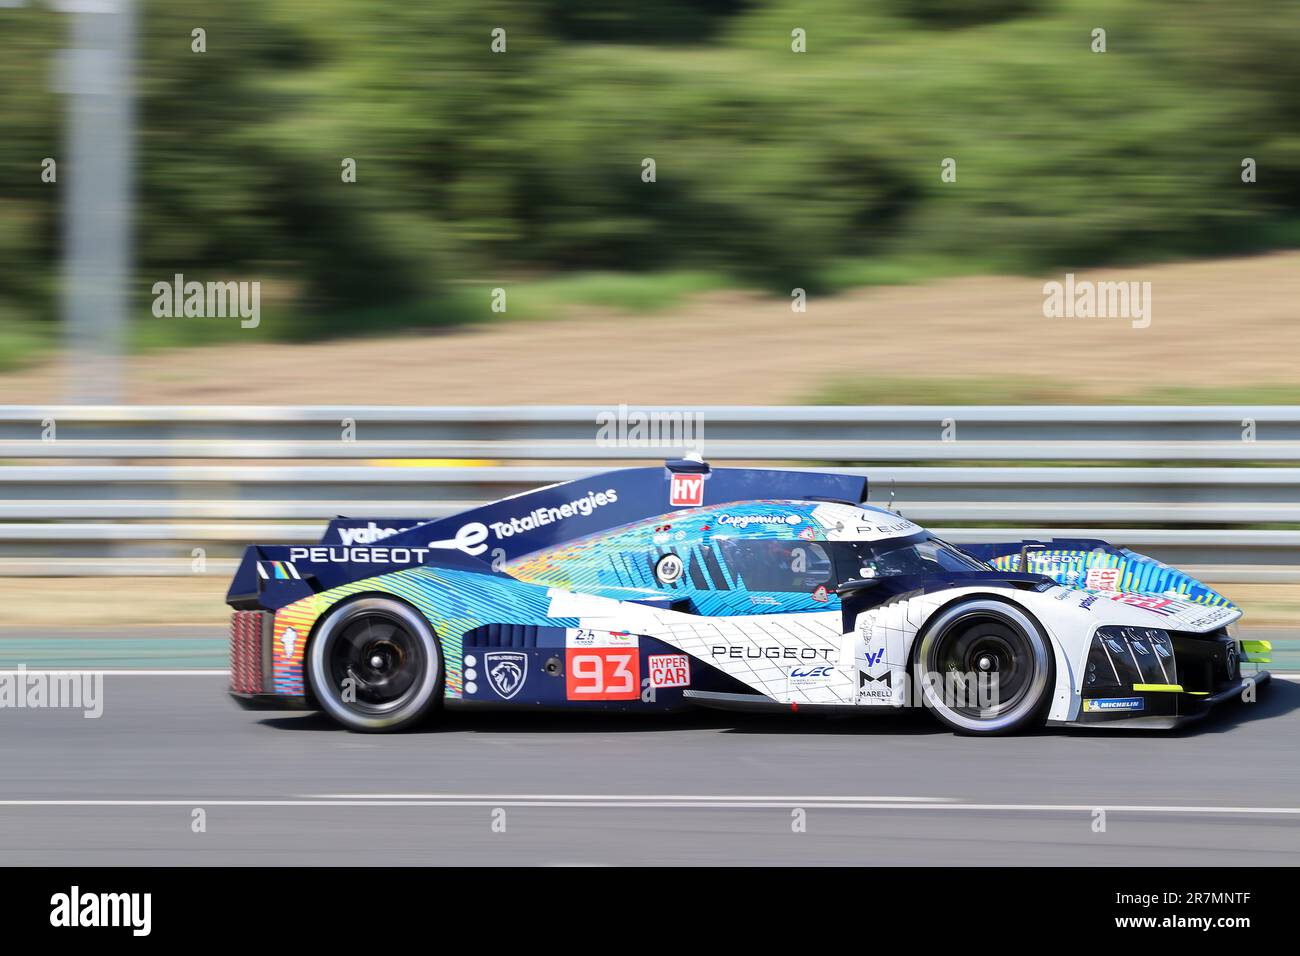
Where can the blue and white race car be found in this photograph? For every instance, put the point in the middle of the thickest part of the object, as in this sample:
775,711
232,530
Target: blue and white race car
663,588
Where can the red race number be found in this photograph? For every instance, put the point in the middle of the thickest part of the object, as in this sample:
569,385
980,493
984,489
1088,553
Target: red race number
602,673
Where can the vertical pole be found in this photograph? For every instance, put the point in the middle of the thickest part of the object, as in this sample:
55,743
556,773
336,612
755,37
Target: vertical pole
97,205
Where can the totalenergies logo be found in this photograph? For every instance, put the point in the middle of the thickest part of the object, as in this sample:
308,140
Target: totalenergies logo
472,537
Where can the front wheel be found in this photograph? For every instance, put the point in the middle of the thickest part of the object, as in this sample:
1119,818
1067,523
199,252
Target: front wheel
374,665
986,667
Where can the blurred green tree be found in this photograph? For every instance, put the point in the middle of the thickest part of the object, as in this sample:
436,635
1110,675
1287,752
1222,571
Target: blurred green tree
475,163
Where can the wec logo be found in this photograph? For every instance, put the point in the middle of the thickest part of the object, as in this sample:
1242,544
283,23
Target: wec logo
822,670
805,676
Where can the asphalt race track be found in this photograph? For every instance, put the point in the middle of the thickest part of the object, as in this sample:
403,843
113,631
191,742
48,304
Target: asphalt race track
707,788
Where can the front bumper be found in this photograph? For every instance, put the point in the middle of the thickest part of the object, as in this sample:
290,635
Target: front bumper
1176,709
1149,678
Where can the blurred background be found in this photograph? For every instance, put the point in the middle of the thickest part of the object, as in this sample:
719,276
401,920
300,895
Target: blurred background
774,170
462,259
501,243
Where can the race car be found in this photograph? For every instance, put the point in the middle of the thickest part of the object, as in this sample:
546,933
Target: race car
664,588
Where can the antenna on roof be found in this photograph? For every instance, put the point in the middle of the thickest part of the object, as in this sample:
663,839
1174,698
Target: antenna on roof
891,497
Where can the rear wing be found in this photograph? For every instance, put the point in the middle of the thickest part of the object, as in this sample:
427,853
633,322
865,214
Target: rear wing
527,522
273,575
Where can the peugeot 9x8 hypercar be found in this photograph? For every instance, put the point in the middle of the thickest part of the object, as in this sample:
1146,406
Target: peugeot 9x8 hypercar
664,588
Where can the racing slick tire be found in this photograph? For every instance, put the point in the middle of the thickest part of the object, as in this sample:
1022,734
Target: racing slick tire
984,636
375,665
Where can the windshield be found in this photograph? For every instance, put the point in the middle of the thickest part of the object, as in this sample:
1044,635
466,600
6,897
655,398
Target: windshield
918,554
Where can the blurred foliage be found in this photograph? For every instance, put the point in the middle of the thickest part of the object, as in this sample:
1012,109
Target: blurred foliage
638,21
949,14
774,169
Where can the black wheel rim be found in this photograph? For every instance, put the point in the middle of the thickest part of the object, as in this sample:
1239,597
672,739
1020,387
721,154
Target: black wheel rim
984,646
378,659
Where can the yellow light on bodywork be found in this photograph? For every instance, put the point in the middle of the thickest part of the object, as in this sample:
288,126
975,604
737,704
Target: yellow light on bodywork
1257,652
1160,688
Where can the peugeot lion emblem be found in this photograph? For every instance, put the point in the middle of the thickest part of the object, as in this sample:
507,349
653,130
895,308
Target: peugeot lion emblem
506,672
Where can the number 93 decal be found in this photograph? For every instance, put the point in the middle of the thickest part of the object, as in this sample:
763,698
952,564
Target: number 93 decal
602,673
601,665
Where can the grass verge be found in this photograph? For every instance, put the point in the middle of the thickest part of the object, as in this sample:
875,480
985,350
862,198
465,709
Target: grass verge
1038,391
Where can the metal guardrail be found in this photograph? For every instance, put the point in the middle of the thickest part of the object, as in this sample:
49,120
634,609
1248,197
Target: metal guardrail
98,501
835,433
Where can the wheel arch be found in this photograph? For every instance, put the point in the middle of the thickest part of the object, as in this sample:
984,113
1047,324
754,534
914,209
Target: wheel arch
999,596
362,595
1062,695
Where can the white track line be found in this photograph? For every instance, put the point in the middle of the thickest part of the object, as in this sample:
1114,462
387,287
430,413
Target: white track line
563,798
701,803
736,802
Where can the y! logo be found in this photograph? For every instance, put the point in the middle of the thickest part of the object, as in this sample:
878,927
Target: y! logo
687,491
874,657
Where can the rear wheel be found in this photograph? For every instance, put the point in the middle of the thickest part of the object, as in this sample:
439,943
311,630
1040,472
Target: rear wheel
375,665
986,667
